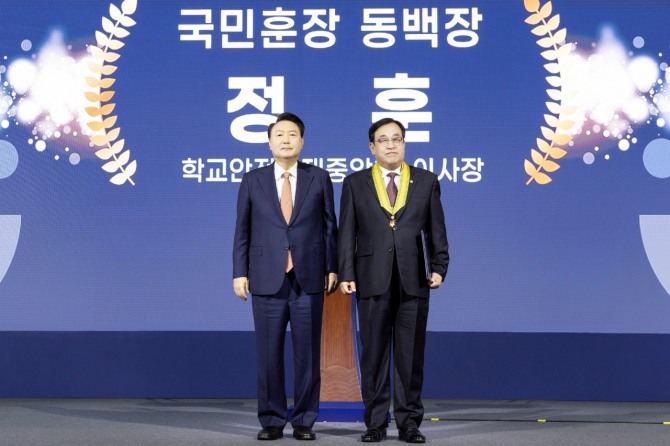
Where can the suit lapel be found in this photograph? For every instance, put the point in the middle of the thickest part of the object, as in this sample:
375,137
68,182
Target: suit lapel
268,183
371,184
373,192
305,178
412,186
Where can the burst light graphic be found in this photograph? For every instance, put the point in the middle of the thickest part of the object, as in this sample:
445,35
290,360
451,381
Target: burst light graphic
45,92
617,92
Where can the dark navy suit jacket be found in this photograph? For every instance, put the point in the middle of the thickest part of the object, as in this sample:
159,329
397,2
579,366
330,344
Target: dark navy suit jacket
262,236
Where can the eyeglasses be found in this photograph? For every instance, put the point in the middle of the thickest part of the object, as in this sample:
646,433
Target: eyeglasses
384,142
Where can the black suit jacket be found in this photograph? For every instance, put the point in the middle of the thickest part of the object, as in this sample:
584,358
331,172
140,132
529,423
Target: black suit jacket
262,236
366,243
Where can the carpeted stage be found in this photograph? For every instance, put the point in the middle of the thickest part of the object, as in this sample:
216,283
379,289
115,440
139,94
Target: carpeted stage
230,422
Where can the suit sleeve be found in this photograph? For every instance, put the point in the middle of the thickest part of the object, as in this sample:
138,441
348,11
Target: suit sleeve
329,225
346,244
242,231
439,246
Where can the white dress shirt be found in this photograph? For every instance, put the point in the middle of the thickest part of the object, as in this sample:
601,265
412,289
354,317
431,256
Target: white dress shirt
279,180
396,180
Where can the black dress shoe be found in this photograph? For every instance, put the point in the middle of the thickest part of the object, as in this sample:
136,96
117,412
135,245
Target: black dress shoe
410,433
270,433
303,433
374,434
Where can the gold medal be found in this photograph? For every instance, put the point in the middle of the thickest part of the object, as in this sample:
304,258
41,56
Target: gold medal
392,222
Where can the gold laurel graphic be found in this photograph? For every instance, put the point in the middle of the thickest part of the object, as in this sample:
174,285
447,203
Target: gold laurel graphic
552,40
106,136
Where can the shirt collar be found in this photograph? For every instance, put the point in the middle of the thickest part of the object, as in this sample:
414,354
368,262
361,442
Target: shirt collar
385,171
279,171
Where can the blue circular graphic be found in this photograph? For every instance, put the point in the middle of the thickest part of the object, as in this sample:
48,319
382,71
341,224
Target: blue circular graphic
9,159
656,158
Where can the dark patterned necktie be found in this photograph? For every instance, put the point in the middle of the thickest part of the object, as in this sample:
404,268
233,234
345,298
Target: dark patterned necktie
391,188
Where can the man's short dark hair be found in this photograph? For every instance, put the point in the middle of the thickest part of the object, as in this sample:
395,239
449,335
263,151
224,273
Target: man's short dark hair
382,122
286,116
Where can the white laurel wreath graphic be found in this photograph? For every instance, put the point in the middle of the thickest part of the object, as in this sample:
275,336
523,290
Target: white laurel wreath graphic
560,109
106,136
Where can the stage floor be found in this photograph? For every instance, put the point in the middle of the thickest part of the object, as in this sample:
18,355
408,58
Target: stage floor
230,422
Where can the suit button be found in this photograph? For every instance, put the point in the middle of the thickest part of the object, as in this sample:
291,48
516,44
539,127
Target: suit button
390,249
289,228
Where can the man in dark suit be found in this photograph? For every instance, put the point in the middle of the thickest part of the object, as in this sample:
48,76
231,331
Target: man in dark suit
285,255
390,215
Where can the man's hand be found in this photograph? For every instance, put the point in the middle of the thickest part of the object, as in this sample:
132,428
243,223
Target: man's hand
330,283
435,280
348,287
241,287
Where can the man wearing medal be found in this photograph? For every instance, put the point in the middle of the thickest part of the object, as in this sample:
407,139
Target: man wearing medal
391,219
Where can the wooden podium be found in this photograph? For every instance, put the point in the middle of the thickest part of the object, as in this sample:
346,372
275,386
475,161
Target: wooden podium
340,398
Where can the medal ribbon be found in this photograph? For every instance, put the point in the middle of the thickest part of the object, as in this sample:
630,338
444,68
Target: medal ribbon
382,195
